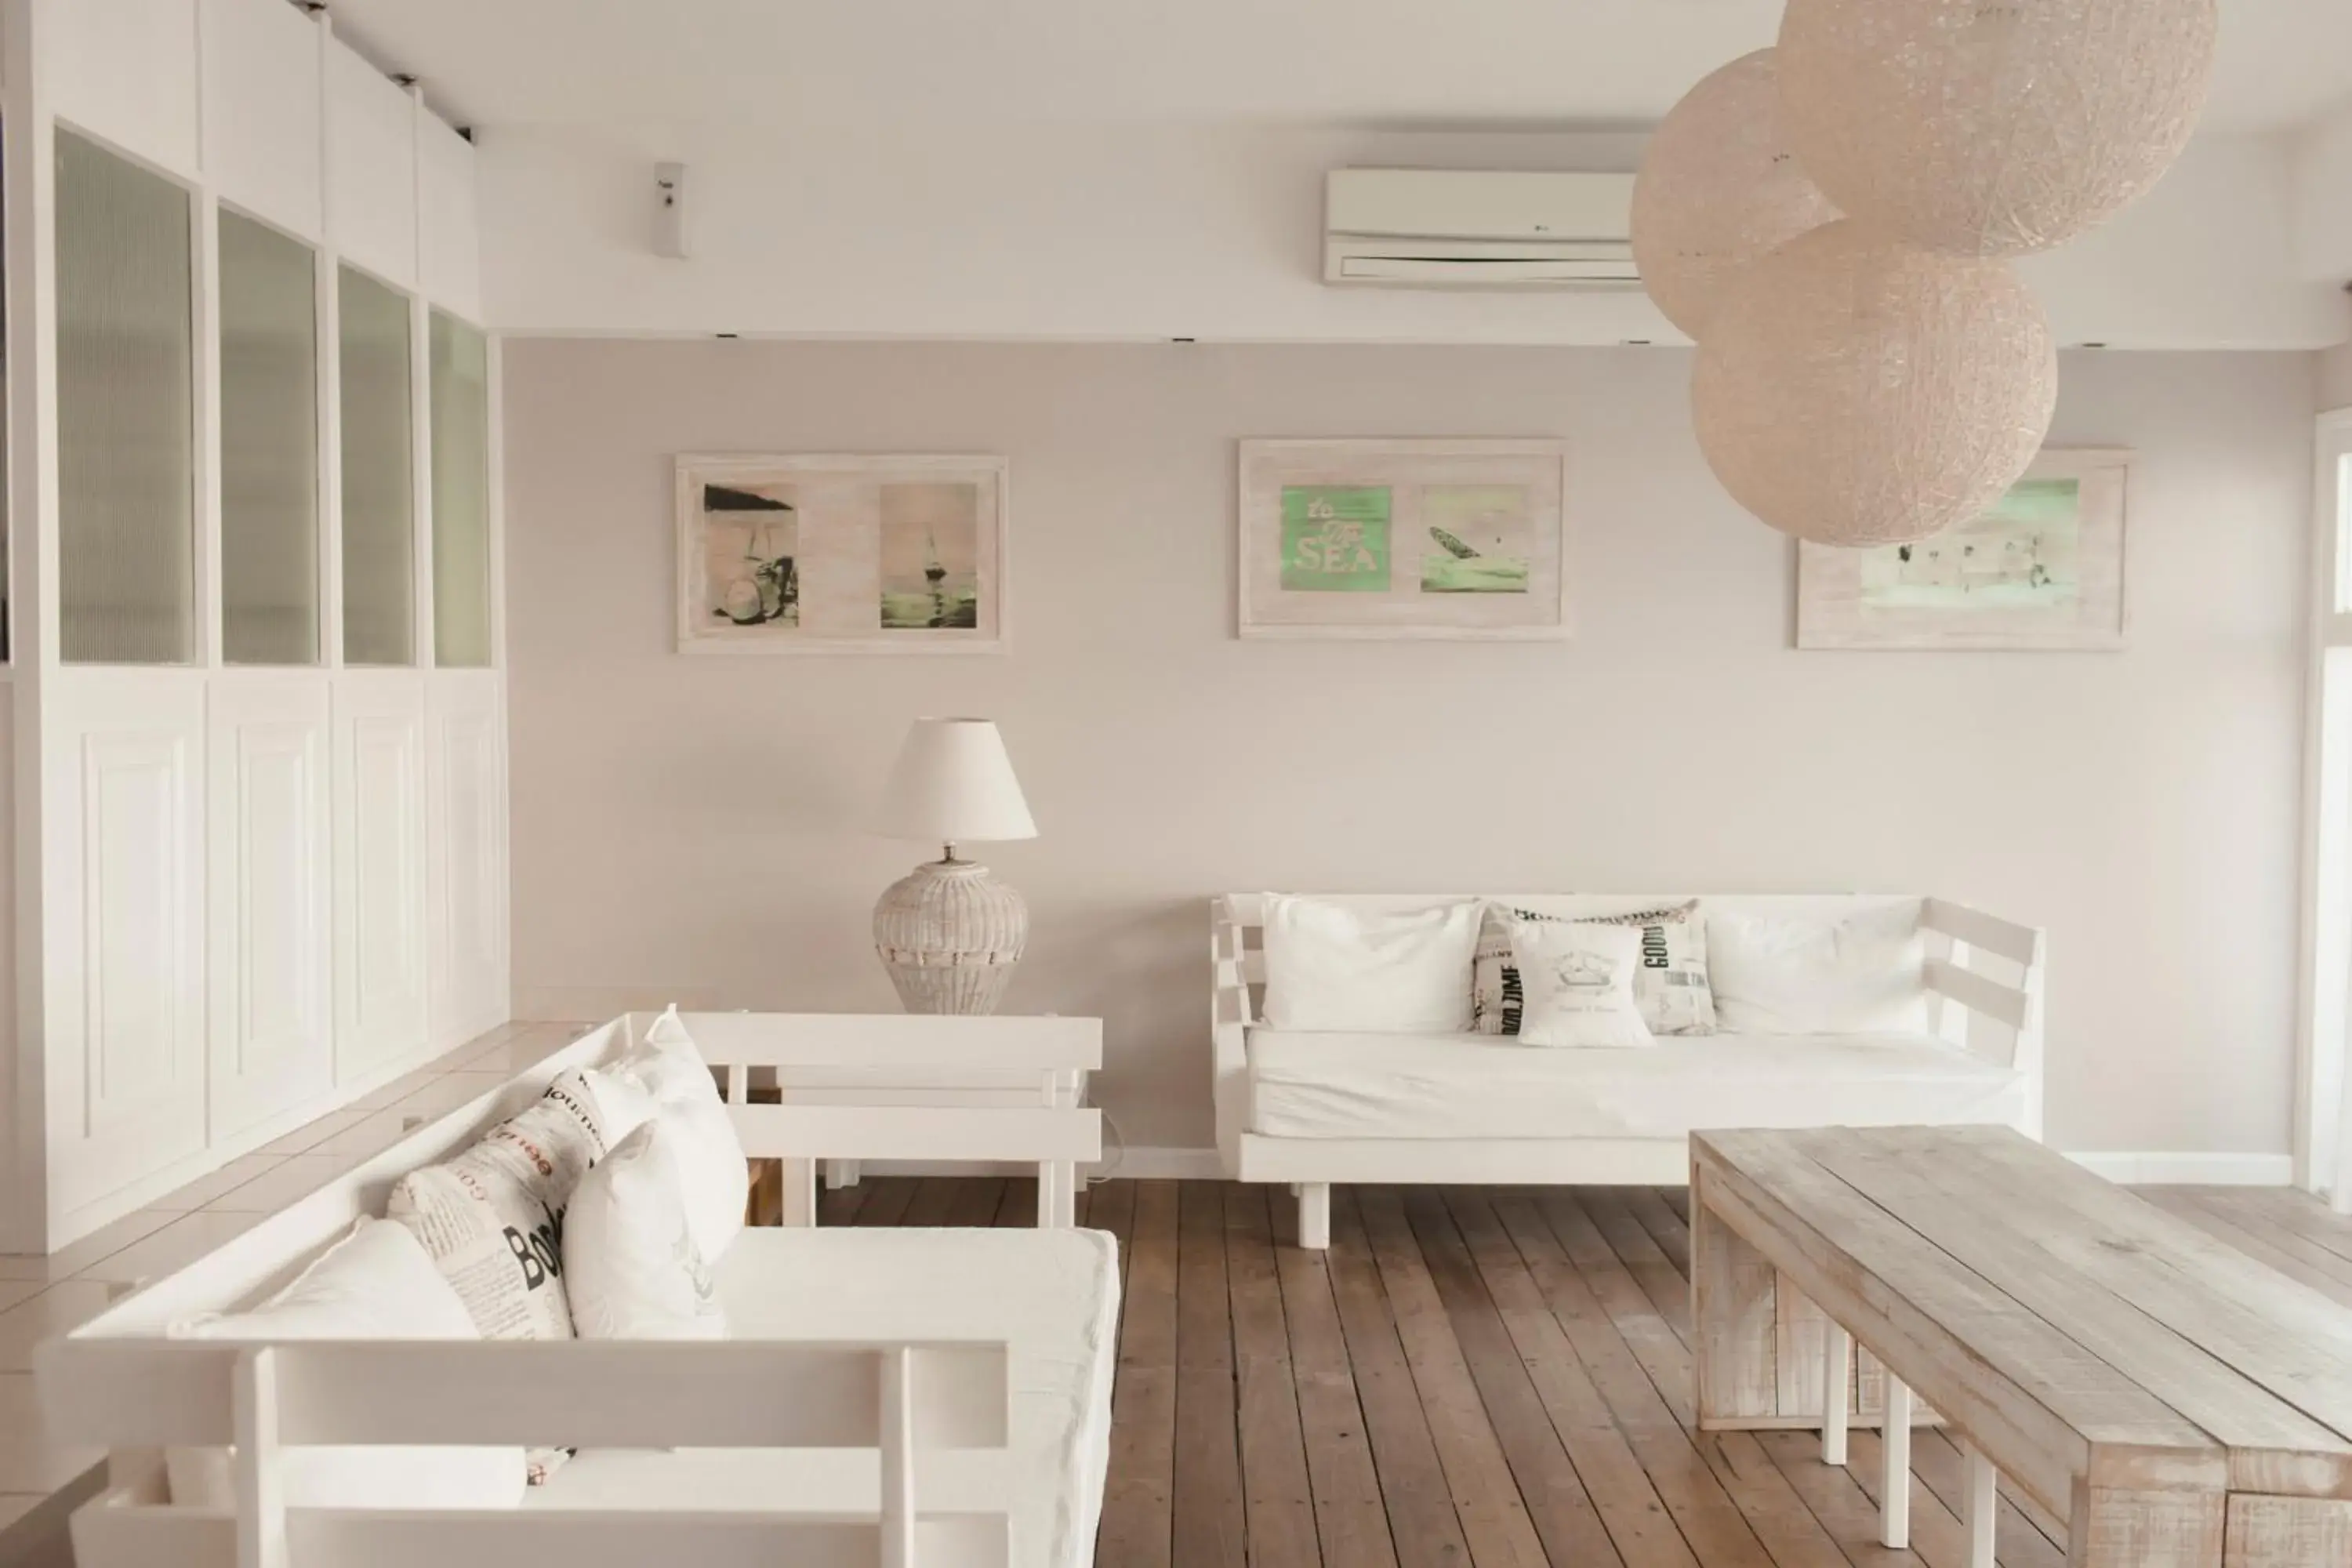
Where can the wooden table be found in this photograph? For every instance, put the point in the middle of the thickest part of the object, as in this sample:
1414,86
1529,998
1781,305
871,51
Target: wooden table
2177,1402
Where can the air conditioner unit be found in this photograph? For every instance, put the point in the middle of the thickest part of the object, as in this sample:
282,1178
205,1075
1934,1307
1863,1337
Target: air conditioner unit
1446,228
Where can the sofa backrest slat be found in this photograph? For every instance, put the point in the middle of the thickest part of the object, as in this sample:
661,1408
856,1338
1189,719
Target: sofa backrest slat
588,1393
1031,1135
891,1041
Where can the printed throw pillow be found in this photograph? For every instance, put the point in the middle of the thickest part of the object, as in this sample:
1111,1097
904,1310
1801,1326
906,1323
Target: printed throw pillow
1672,988
491,1219
1579,977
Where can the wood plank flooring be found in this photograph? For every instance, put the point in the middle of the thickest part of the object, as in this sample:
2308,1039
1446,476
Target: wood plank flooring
1478,1378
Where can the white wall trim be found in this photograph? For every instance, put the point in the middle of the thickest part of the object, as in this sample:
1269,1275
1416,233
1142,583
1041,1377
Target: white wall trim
2162,1168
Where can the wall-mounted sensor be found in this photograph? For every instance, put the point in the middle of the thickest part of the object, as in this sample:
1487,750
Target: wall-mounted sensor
669,210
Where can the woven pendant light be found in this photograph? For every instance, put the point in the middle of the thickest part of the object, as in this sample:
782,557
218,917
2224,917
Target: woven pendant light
1977,127
1856,391
1718,189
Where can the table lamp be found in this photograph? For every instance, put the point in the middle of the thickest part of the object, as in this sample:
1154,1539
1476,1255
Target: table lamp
948,931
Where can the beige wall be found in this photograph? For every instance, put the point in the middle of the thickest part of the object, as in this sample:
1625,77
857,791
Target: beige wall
690,828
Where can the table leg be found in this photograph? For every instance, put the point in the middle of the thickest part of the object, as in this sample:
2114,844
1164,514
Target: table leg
1837,1390
1980,1506
1894,1485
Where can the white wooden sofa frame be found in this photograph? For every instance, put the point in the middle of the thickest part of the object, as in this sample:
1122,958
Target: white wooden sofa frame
118,1383
1984,979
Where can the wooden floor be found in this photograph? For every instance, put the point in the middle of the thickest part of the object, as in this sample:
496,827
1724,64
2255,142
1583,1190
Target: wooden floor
1478,1377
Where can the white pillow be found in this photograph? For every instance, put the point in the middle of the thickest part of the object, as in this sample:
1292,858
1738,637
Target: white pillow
1577,981
1861,973
377,1283
1334,967
629,1260
668,1068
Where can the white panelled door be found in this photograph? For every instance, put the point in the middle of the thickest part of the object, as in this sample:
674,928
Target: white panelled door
380,869
123,880
271,892
468,830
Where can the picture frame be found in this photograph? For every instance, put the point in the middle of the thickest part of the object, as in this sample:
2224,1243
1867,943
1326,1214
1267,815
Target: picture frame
1426,539
2041,571
814,553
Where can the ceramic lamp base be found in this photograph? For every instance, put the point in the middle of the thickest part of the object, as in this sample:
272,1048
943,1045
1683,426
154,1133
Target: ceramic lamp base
950,933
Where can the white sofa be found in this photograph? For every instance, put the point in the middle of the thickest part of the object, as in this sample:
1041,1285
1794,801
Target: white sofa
1310,1109
917,1398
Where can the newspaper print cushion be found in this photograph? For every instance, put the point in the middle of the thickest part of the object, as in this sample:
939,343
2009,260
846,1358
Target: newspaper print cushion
491,1219
1671,989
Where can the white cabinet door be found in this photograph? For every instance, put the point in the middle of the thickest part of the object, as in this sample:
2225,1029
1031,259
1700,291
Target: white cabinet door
468,831
272,1028
379,830
123,873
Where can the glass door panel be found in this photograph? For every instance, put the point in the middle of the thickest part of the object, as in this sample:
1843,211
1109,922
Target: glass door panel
270,446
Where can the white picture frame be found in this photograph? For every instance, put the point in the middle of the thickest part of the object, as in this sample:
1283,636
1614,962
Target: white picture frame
1510,583
1939,598
816,554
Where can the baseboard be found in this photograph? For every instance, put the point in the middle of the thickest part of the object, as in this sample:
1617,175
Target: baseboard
2190,1170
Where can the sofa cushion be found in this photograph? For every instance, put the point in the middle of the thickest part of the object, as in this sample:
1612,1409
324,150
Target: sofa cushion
1577,979
1336,965
1672,988
1854,971
1473,1086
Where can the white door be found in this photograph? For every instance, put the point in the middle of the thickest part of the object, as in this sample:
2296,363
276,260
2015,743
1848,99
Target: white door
467,832
271,885
378,831
123,876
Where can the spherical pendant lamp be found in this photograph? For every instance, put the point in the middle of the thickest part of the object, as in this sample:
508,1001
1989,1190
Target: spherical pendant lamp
1855,391
1984,129
1718,189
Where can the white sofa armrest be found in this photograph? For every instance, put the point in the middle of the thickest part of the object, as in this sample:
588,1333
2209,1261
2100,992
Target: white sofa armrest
1236,968
1984,979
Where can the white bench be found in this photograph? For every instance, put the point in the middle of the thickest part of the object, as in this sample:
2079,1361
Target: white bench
890,1398
1312,1109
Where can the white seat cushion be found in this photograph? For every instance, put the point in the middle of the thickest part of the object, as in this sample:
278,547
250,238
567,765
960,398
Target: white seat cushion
1051,1294
1474,1086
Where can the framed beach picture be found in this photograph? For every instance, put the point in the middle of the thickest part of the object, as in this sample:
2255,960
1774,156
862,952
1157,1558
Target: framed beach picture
841,555
2041,570
1403,539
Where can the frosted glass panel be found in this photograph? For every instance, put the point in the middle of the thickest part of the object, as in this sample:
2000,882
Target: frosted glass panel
126,413
461,494
379,476
270,446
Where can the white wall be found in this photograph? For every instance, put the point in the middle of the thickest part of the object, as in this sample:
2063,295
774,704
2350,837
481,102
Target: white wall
1157,231
690,828
2321,163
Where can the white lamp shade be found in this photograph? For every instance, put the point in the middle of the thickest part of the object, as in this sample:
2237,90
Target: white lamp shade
953,784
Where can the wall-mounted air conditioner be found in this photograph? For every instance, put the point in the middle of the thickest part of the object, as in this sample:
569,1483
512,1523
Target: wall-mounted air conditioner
1447,228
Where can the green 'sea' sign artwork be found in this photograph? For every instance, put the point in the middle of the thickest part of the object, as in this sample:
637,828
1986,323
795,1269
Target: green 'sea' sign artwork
1335,538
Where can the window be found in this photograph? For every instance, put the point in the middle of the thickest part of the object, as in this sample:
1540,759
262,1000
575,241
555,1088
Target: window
461,494
379,474
269,445
126,412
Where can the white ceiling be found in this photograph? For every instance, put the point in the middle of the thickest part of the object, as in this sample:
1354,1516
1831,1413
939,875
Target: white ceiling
931,63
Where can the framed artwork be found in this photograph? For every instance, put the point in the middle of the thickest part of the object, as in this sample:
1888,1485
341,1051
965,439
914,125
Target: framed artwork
1403,539
2043,570
841,555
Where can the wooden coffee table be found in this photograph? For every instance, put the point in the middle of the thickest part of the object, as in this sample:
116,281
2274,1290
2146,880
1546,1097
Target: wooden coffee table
2176,1401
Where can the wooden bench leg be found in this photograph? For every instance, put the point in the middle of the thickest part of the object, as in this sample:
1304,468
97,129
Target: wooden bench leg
1980,1507
1894,1485
1315,1215
1837,1390
800,1192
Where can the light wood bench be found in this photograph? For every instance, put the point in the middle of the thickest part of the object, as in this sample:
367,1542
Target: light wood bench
2175,1401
